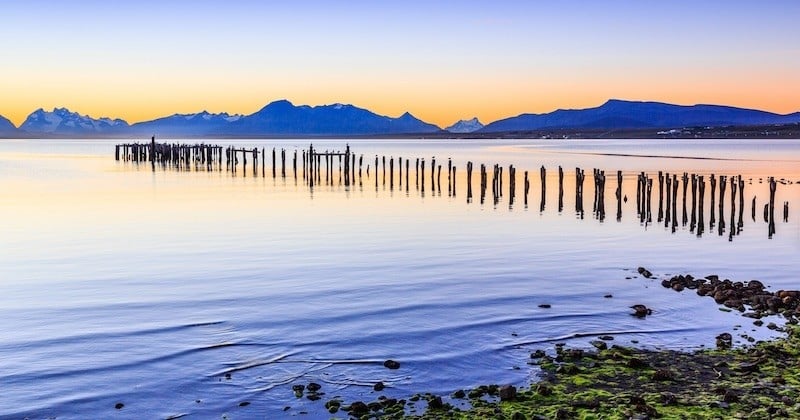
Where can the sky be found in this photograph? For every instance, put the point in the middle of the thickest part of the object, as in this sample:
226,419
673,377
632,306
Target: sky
440,60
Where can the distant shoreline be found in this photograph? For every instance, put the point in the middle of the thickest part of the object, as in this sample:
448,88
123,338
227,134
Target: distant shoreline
754,132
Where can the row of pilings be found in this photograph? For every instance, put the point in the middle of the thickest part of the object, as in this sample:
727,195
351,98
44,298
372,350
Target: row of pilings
327,167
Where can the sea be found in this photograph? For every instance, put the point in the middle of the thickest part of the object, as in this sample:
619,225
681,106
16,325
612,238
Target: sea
130,290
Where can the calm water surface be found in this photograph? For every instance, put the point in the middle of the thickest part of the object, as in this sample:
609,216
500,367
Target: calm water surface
119,284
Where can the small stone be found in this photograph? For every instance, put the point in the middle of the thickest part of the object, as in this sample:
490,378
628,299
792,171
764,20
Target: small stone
668,399
599,345
538,354
772,326
544,390
228,376
391,364
298,388
609,296
758,323
314,387
641,311
244,404
508,393
662,375
730,397
645,272
357,408
378,386
459,394
119,406
637,363
606,337
436,403
545,306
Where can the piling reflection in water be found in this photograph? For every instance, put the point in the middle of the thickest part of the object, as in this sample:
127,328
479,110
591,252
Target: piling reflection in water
209,157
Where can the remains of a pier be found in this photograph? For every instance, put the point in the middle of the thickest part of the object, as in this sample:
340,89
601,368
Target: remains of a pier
335,167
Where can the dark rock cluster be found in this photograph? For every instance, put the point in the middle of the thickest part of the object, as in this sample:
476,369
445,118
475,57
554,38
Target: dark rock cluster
740,295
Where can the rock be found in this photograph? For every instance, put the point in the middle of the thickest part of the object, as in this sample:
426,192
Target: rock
378,386
724,341
772,326
298,388
435,403
758,323
641,311
314,387
662,375
391,364
545,306
668,399
567,369
606,337
119,406
564,414
544,390
730,397
459,394
645,272
244,404
357,408
599,345
518,416
333,403
609,296
508,393
637,363
749,367
538,354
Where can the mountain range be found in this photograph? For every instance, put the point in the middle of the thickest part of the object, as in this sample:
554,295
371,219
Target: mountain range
284,119
618,114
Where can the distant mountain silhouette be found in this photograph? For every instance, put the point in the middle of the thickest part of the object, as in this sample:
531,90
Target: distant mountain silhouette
465,126
618,114
186,125
62,121
6,126
282,118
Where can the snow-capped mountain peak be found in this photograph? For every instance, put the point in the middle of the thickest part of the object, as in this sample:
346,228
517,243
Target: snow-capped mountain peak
465,126
63,120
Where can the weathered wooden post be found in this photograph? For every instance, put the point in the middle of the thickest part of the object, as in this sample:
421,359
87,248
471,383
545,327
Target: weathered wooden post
433,173
454,181
422,173
439,179
469,181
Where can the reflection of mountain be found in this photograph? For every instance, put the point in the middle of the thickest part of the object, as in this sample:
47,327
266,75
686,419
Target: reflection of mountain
617,114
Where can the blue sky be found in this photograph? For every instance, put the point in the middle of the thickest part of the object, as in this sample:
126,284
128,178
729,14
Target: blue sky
440,60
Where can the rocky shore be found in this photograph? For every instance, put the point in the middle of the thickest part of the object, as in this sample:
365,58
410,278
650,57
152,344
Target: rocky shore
759,381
